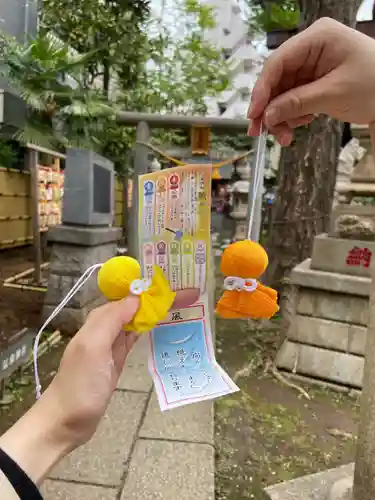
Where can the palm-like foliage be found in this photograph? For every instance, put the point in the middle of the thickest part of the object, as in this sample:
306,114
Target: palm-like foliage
61,111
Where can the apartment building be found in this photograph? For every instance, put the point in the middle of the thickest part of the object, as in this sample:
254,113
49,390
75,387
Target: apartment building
245,61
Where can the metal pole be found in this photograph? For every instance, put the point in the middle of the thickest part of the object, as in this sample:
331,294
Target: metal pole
140,167
125,201
257,218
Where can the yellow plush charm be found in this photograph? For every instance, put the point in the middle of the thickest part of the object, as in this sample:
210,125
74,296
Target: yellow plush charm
122,276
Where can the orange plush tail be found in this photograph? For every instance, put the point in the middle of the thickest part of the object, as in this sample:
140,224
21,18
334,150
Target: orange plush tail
258,304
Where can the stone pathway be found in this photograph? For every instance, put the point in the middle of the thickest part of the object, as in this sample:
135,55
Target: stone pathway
138,452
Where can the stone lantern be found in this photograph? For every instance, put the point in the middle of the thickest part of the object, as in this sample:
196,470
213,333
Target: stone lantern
155,165
239,191
243,168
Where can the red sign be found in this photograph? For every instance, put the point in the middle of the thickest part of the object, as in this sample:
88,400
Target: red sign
359,257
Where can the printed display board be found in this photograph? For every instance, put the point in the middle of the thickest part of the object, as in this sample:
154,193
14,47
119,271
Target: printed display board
51,188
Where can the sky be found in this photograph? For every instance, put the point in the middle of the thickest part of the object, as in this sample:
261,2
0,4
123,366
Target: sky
365,12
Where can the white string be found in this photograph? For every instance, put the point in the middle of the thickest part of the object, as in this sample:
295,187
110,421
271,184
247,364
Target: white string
258,174
79,284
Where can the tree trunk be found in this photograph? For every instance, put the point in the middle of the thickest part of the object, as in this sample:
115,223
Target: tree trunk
125,200
307,171
106,78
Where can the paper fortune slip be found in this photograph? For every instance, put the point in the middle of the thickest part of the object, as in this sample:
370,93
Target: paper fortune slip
174,233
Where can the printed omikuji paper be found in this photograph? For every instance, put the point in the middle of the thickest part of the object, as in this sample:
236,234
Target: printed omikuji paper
174,233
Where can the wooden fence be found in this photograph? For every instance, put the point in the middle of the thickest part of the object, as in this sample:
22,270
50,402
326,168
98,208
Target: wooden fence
16,211
15,208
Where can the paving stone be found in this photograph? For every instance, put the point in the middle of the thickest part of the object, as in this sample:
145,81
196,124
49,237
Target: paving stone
161,470
135,376
190,423
313,487
101,461
342,489
61,490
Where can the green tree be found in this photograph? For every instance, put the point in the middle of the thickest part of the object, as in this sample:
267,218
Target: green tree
183,66
268,15
60,112
157,64
111,30
114,33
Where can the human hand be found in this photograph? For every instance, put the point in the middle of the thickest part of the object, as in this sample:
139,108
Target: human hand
70,409
327,69
92,364
186,298
90,368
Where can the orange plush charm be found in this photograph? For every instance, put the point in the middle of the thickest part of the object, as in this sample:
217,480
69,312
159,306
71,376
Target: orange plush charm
243,263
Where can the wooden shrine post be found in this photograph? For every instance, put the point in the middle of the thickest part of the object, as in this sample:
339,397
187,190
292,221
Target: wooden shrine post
140,167
32,160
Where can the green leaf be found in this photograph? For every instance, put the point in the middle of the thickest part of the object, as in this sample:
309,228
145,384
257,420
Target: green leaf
275,15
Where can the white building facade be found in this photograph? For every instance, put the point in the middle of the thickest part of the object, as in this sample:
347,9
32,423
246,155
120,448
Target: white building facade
231,36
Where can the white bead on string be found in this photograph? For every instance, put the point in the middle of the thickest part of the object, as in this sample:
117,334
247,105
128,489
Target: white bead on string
140,286
240,284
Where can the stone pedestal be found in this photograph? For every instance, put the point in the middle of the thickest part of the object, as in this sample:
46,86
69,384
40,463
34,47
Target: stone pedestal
331,334
330,301
326,337
74,250
321,486
342,255
342,489
353,222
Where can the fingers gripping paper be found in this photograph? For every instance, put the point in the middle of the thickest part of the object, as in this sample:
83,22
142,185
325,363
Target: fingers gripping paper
174,233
